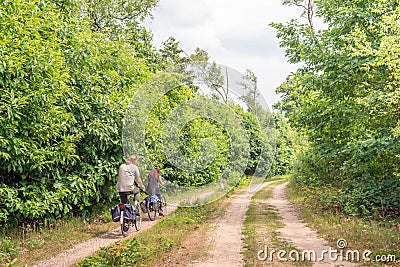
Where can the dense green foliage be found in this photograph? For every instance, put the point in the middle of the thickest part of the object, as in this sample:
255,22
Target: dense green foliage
196,131
64,92
69,70
346,99
288,145
191,146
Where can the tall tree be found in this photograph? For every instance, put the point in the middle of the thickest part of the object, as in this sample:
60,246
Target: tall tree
249,84
346,99
116,15
215,80
172,53
122,19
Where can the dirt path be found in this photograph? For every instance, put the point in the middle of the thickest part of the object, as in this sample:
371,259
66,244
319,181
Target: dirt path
88,248
297,232
226,237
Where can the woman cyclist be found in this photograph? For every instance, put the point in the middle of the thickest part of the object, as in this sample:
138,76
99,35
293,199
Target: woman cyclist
152,187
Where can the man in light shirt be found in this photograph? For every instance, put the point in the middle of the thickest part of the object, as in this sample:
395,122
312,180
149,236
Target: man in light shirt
127,173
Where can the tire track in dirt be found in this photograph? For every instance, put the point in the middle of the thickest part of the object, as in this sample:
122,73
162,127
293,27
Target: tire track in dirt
226,238
297,233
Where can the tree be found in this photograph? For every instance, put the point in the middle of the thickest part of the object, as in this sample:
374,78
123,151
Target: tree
113,16
345,98
172,53
288,145
121,20
215,80
36,139
200,56
249,84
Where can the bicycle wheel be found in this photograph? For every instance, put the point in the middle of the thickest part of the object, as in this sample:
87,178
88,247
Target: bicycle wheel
164,204
152,210
138,222
124,225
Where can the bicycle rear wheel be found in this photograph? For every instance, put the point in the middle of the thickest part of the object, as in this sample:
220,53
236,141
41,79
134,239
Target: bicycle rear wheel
124,225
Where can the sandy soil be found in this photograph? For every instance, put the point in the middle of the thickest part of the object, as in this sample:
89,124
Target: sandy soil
298,233
227,236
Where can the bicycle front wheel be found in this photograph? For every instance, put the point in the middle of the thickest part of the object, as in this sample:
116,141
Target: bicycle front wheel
138,223
152,210
164,204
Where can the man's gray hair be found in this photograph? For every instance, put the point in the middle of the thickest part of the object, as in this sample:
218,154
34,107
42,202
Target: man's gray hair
131,158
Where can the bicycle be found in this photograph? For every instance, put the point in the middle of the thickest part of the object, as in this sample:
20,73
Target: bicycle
129,214
152,205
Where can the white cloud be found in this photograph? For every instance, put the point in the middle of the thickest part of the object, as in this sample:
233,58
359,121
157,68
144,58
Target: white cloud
234,33
182,14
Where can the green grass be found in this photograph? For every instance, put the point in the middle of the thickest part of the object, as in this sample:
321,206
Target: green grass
380,237
277,178
260,229
27,245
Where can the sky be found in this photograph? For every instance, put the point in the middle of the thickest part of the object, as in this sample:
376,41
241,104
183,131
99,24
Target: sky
234,33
